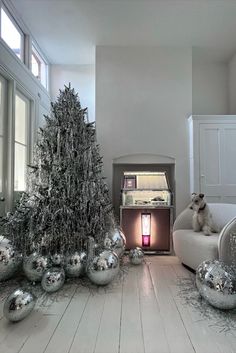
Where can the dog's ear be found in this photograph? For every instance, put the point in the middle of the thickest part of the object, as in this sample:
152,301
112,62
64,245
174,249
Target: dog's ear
201,196
193,195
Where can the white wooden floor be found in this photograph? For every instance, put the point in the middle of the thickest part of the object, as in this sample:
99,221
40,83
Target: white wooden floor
140,313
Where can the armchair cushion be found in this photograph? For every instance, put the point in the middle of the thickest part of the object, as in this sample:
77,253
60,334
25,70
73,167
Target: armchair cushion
194,247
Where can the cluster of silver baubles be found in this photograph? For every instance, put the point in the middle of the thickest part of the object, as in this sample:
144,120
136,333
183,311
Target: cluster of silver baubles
101,268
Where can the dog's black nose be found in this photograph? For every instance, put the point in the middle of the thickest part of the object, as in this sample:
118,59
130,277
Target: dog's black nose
196,201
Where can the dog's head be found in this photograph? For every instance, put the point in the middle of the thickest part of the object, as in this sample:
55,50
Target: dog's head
198,202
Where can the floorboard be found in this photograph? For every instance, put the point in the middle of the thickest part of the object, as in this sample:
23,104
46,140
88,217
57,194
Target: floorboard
131,335
141,312
177,335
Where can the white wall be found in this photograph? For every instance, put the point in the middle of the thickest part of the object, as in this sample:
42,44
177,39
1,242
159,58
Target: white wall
82,79
143,100
232,85
210,88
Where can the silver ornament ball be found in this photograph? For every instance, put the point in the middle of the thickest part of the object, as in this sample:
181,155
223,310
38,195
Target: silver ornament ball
57,259
216,283
75,264
18,305
103,268
10,260
136,256
35,265
118,242
53,279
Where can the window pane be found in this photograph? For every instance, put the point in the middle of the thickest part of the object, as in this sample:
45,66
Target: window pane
39,66
1,166
10,34
44,74
35,66
20,120
1,109
20,167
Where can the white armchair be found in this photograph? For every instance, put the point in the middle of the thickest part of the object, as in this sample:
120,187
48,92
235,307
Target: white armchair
192,247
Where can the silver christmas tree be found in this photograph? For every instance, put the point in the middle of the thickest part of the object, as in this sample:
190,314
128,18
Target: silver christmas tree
67,199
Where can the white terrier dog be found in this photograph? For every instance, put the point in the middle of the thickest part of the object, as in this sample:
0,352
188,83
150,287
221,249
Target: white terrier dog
202,218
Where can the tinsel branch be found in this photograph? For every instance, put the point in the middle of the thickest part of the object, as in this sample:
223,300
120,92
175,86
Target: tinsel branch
67,199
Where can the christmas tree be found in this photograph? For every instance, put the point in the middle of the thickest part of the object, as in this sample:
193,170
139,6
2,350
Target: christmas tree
67,200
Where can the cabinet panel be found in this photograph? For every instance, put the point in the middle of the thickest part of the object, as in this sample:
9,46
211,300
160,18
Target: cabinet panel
229,145
212,157
210,154
160,228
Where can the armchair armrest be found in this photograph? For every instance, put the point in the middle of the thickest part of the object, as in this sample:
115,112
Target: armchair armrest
227,243
184,220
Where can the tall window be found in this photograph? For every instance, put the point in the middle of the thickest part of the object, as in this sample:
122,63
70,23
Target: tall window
2,103
21,141
12,34
39,66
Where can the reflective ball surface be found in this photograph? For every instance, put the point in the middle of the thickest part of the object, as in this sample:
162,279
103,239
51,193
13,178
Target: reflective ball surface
136,256
118,242
10,260
18,305
103,268
216,283
57,259
75,264
53,279
35,265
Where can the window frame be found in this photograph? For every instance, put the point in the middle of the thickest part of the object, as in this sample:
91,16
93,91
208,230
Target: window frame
19,29
27,42
40,58
28,127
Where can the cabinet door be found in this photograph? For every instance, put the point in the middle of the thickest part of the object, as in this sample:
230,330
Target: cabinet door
160,228
228,163
217,162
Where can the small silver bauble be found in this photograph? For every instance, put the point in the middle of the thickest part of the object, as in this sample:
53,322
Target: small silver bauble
118,242
57,259
35,265
18,305
216,283
75,264
53,279
103,268
10,260
136,256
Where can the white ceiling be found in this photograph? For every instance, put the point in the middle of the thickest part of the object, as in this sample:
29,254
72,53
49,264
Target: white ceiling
68,30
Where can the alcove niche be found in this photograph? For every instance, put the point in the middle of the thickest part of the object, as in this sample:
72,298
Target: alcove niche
141,162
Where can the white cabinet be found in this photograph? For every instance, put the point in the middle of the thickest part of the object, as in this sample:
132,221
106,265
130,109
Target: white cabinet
213,156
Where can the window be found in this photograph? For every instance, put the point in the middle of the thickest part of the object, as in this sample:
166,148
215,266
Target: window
11,34
21,141
39,66
14,37
2,115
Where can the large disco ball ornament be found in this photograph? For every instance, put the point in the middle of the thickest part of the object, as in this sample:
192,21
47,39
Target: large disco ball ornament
75,264
118,242
35,265
136,256
103,268
18,305
216,283
53,279
10,260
